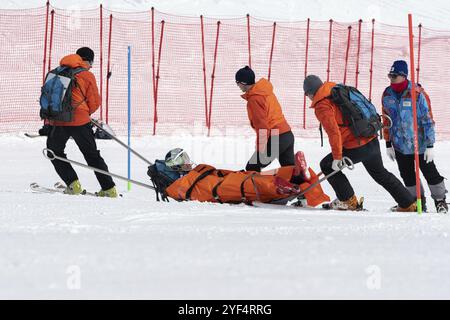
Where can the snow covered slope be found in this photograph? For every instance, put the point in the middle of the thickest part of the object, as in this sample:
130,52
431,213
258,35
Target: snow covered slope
432,15
58,246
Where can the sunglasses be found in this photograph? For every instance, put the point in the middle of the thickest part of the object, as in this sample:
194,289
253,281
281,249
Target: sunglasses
393,76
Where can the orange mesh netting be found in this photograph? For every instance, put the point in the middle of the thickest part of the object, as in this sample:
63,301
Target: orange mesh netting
183,67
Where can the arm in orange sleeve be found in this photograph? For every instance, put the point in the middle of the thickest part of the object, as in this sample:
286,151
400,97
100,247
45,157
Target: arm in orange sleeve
325,114
91,92
257,108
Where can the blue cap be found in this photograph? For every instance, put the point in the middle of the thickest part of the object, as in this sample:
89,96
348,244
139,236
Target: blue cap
400,67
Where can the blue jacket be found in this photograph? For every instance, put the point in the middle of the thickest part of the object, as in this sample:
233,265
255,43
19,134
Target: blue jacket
399,108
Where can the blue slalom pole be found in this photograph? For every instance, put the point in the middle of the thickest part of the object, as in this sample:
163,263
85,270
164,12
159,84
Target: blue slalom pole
129,117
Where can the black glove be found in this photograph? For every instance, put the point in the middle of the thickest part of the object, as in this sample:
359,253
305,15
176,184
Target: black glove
45,130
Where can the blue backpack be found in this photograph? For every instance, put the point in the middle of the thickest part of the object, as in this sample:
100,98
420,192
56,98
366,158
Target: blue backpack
56,94
358,113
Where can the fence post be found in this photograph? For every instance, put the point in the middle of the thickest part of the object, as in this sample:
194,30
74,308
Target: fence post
51,40
419,52
45,42
212,79
414,110
329,50
108,68
371,60
306,70
249,42
358,53
153,69
204,71
271,50
129,118
347,53
155,118
101,61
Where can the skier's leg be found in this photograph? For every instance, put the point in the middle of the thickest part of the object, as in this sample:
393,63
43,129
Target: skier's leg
434,179
339,181
286,156
405,163
56,141
374,166
84,138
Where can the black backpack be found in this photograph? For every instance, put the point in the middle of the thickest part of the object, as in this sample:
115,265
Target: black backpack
358,113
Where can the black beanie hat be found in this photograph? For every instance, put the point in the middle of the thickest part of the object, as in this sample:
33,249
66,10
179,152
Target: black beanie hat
245,76
86,54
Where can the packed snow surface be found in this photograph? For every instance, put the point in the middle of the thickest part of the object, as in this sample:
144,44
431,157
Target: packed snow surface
60,246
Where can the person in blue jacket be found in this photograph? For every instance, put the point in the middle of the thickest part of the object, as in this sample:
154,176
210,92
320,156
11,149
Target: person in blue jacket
397,104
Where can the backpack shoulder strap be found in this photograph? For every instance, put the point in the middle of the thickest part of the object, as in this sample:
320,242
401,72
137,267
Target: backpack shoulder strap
78,70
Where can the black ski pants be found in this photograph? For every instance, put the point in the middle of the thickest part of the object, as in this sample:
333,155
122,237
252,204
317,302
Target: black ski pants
370,156
278,147
84,138
407,169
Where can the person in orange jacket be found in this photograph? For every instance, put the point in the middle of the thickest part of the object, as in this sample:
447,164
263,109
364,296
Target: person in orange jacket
359,149
85,101
274,138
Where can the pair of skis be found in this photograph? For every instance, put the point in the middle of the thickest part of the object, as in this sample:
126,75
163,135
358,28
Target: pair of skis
58,188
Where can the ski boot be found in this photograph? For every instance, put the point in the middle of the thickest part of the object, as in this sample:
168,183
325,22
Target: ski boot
110,193
411,208
351,204
301,168
424,206
74,188
441,206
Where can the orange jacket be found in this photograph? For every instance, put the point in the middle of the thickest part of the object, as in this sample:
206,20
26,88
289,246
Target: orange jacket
85,96
264,112
208,184
330,117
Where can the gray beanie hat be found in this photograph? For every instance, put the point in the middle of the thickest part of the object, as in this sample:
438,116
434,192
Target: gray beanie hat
311,84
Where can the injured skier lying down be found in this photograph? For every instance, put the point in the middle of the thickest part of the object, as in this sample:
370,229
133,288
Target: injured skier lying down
177,178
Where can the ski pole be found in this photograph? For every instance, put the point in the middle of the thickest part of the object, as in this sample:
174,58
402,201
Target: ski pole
98,125
347,163
50,155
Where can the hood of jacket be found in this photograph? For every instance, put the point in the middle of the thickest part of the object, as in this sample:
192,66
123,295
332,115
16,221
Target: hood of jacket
323,93
73,61
261,88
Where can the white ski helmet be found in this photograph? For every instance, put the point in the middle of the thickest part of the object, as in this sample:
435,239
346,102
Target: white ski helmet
178,160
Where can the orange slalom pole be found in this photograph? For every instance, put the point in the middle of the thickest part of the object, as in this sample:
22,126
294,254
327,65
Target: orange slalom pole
414,106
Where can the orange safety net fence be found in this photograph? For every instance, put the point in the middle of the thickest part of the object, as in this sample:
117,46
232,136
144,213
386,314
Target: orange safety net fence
182,76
